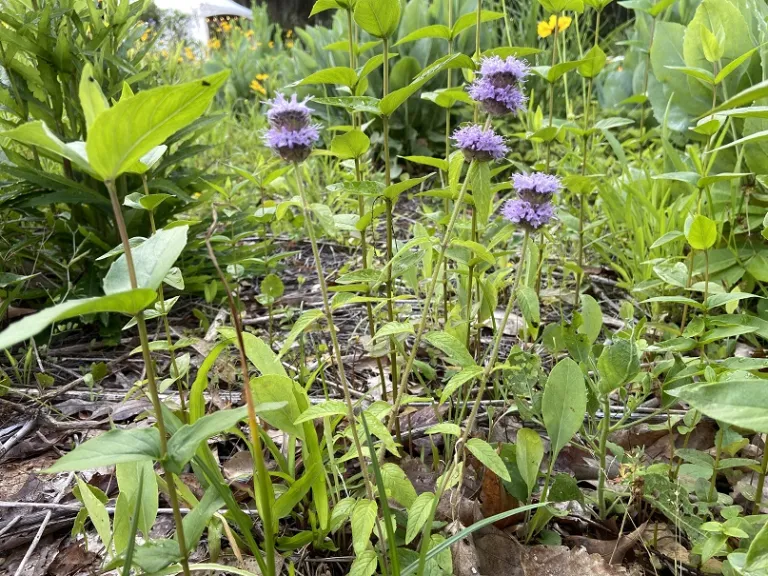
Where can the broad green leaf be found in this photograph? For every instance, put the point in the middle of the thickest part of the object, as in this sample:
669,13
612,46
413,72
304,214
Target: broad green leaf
392,101
482,193
756,561
716,300
97,512
352,144
197,520
617,365
470,19
129,302
258,352
111,448
363,518
364,564
477,249
699,73
288,499
592,318
271,390
433,31
394,190
378,17
130,475
157,554
467,374
594,62
396,484
341,75
303,323
557,6
323,5
742,403
746,96
733,65
418,514
152,260
438,163
327,408
701,232
444,428
553,73
667,238
393,329
366,104
37,134
711,45
529,306
92,99
455,351
529,450
484,452
148,202
183,444
564,403
121,135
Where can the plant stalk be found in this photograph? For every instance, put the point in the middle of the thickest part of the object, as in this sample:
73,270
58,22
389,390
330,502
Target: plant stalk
604,429
151,383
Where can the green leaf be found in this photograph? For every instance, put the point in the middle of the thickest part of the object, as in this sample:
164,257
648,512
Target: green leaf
553,73
131,475
477,249
152,261
258,353
394,190
341,75
722,177
363,518
455,351
467,374
327,408
482,193
157,554
711,45
529,450
746,96
592,318
268,391
130,302
418,514
111,448
352,144
148,202
756,561
438,163
303,323
378,17
97,512
701,232
699,73
393,101
484,452
288,500
130,129
470,19
323,5
667,238
364,564
617,365
593,63
716,300
183,444
733,65
393,329
196,521
565,489
444,428
434,31
396,484
742,403
529,306
92,100
37,134
564,403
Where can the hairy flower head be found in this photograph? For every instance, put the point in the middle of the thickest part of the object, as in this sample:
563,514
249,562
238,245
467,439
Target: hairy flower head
504,72
292,145
536,187
479,144
291,114
526,214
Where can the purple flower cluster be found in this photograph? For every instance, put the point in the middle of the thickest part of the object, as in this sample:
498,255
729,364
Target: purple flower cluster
479,144
499,87
291,135
533,206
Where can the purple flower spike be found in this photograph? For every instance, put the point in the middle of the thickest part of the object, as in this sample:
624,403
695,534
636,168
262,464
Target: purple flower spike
526,214
292,145
507,72
478,144
537,187
291,114
497,101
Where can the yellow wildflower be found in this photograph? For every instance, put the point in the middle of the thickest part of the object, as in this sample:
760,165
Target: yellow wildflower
547,27
271,44
214,43
248,33
257,87
262,77
289,34
189,53
226,26
289,44
146,35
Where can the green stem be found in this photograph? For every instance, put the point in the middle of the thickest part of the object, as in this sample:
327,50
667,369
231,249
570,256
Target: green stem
761,479
332,329
261,480
718,449
603,447
151,383
403,384
645,80
552,91
470,278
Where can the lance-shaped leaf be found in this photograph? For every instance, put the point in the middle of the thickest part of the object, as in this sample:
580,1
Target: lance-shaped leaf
111,448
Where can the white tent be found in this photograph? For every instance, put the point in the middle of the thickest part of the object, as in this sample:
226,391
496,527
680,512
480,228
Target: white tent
199,10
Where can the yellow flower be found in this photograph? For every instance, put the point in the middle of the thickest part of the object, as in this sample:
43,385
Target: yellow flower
257,87
145,36
226,26
164,53
248,33
289,44
547,27
289,34
189,53
271,44
214,43
262,77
